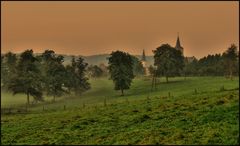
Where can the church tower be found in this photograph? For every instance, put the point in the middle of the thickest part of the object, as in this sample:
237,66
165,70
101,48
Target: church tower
178,45
144,63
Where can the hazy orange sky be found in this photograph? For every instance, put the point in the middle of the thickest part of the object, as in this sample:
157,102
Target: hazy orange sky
88,28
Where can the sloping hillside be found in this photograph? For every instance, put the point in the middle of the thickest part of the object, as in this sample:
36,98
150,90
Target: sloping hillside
208,115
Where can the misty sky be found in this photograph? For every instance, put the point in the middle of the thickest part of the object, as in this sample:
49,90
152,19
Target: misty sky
88,28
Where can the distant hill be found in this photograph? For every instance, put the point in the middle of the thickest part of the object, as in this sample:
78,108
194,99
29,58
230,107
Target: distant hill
102,58
96,59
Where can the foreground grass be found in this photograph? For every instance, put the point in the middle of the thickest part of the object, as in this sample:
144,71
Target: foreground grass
209,116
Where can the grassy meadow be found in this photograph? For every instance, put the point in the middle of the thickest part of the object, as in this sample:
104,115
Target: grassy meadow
198,111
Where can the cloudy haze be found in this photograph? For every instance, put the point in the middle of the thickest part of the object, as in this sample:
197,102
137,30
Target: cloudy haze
88,28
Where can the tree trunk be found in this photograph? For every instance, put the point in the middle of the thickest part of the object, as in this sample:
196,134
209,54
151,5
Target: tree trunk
28,98
152,82
231,74
155,82
54,98
167,78
122,92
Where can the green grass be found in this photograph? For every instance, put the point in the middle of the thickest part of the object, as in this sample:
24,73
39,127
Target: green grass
10,100
210,116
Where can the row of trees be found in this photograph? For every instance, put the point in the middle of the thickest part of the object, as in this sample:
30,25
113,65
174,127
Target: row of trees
167,60
170,62
43,74
226,64
46,74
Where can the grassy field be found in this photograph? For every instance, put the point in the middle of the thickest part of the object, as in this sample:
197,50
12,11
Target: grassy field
208,116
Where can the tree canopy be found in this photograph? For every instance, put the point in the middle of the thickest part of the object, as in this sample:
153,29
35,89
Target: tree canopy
168,60
54,73
121,70
27,79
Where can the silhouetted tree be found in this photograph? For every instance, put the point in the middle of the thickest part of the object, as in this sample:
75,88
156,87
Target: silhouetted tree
54,73
75,77
70,76
121,70
80,78
26,79
168,60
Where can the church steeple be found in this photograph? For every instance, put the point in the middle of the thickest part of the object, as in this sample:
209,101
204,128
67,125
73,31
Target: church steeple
143,56
178,44
144,63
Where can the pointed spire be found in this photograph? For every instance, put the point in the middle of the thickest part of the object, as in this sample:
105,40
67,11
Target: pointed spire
143,56
178,45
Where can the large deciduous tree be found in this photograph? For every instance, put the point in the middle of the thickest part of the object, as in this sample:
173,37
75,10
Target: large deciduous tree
121,70
75,79
168,60
69,80
80,77
27,78
54,73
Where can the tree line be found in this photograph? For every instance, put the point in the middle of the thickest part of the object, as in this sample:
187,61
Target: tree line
169,62
225,64
45,74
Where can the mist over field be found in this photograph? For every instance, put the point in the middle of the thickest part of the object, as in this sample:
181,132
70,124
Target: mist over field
119,73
